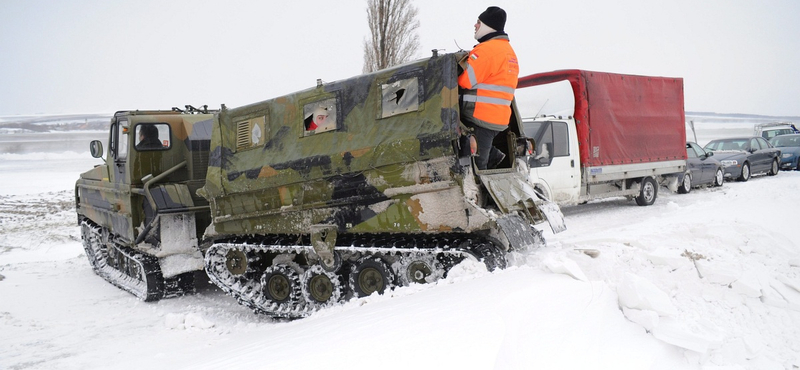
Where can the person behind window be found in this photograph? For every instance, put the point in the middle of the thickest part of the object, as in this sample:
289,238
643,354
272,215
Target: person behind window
317,119
544,155
148,138
487,84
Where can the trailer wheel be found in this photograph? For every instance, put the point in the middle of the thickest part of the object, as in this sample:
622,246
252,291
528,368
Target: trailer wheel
648,192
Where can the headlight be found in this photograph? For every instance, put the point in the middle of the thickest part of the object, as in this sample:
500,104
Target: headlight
729,162
787,155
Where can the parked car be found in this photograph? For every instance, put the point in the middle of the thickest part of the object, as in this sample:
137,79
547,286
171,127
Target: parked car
773,129
701,169
746,156
790,151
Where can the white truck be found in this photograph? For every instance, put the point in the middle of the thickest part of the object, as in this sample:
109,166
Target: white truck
625,138
772,129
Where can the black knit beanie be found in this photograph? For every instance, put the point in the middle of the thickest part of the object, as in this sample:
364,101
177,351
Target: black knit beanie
494,17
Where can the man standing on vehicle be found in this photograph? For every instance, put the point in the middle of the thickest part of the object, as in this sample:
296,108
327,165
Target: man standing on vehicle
487,84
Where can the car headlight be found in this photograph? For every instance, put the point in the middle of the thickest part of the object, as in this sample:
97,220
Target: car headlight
787,155
729,162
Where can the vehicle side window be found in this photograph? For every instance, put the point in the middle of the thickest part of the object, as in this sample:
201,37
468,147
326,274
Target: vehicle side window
561,139
152,136
754,145
531,129
690,152
320,116
698,149
545,145
764,144
119,140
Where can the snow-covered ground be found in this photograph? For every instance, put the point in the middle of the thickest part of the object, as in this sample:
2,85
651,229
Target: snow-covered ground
706,280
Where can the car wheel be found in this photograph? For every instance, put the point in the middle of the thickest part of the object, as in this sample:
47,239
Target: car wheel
686,184
648,192
719,177
774,170
745,172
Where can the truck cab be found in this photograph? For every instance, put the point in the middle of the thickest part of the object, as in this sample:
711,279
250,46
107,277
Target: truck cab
140,216
555,163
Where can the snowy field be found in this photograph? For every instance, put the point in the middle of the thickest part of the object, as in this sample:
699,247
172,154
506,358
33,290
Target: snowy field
706,280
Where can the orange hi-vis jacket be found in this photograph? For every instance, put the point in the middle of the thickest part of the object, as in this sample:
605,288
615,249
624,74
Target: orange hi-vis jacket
490,78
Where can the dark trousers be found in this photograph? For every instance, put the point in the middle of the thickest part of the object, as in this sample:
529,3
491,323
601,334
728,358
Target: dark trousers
486,151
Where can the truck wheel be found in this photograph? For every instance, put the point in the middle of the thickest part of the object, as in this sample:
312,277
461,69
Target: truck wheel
686,184
648,193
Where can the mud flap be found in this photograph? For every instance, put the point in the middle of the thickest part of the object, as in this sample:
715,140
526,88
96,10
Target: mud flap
512,193
554,216
520,234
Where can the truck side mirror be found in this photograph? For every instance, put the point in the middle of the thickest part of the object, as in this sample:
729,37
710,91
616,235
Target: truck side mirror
96,148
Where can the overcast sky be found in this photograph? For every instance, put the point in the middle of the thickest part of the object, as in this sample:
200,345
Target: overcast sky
98,56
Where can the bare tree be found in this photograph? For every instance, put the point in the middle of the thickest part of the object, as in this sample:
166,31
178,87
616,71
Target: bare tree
393,41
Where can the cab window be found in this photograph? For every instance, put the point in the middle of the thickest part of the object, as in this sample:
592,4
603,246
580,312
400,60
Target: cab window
152,136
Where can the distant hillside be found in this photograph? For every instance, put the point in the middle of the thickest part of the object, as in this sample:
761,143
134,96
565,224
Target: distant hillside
46,123
738,117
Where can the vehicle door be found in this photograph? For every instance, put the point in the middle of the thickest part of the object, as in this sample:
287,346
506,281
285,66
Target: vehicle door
694,164
770,152
760,159
556,160
709,166
117,191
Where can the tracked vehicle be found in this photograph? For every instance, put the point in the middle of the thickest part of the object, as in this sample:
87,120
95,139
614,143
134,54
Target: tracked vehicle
341,190
382,192
139,213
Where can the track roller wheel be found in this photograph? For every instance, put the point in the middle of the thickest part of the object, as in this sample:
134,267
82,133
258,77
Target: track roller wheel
371,275
281,286
321,288
420,269
236,262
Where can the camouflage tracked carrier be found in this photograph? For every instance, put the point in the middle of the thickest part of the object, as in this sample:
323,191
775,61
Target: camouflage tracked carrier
139,213
355,186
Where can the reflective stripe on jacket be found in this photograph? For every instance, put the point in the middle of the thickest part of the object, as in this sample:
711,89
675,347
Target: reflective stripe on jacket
490,78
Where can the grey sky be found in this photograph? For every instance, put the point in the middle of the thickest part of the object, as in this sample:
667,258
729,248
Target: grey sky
96,56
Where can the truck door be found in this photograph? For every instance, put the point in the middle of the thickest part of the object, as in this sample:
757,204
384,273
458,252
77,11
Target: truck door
555,162
116,192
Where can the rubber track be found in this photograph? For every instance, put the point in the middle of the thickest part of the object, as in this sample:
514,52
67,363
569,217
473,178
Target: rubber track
247,290
147,285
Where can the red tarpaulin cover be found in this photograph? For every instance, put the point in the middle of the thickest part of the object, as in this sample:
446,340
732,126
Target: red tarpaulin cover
623,119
